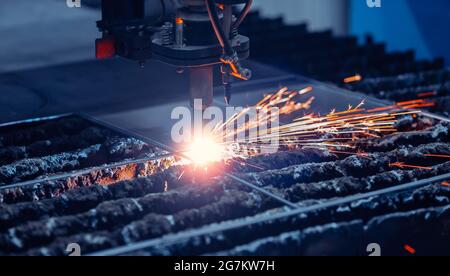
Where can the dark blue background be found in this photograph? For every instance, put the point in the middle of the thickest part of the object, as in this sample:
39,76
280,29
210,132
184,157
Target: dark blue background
404,24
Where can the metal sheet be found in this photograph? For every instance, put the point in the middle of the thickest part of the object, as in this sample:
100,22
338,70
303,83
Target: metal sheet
156,123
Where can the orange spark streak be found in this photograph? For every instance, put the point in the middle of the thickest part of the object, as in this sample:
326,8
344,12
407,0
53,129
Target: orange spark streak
341,128
265,99
402,165
354,78
427,94
445,184
438,155
244,163
411,102
414,112
384,108
306,90
410,249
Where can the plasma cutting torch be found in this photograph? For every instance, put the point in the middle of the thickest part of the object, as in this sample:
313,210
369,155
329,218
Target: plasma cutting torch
193,35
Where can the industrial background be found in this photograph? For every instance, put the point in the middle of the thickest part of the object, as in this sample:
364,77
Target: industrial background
38,37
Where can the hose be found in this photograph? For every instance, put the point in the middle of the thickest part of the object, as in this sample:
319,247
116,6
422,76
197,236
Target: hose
221,36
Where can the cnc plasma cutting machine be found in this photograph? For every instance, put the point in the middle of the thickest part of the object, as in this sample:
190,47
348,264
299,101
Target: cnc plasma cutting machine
189,34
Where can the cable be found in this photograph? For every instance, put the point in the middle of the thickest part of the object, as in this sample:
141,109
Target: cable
214,16
230,56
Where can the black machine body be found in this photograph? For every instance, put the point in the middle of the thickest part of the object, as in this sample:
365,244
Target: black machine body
192,34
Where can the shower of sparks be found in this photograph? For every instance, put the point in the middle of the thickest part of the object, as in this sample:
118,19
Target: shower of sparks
337,131
360,154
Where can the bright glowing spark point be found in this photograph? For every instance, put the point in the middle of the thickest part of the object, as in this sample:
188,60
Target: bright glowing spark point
336,131
204,151
445,184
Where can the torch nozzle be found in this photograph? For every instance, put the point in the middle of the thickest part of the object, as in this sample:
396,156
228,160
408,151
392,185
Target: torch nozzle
201,86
